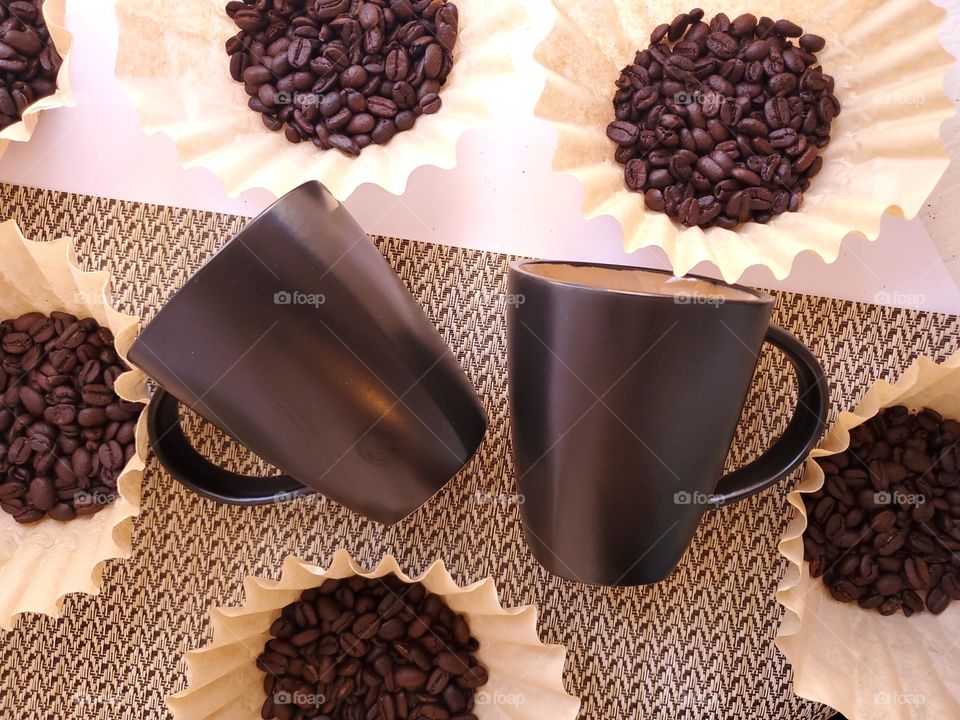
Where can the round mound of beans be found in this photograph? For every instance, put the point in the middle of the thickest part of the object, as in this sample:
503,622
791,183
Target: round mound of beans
65,435
721,123
370,648
29,62
884,530
342,74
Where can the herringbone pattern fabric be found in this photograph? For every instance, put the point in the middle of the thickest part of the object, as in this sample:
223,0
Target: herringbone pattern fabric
697,646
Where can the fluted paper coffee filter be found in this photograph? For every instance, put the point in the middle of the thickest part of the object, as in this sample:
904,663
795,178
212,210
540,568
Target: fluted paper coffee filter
42,562
54,13
172,63
885,155
867,666
526,676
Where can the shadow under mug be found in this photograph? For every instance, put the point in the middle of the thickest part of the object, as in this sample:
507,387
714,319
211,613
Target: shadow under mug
298,340
626,388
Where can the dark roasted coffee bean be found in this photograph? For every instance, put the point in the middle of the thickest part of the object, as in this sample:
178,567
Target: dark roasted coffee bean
28,515
812,43
474,678
97,395
409,677
937,601
62,511
41,494
786,28
430,104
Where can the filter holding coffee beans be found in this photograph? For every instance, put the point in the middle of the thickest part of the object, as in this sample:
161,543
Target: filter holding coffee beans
428,644
722,123
884,530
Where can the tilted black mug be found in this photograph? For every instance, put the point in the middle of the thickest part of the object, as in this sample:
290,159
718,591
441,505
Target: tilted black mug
298,340
626,387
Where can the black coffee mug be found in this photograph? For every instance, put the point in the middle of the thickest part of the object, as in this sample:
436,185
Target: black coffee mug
299,341
626,387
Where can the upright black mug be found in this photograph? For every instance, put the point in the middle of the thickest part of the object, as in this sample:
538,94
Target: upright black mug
626,387
299,341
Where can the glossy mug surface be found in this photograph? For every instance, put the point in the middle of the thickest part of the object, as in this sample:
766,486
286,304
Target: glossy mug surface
299,341
626,387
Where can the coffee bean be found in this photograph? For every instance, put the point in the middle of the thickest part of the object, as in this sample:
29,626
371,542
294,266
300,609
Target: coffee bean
741,87
786,28
812,43
896,473
937,601
62,511
28,515
475,677
321,647
97,395
41,493
382,60
430,104
381,107
59,436
410,678
345,144
659,33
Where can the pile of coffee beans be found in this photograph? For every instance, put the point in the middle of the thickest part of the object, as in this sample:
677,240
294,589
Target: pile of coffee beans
723,122
884,530
355,649
342,73
29,62
65,436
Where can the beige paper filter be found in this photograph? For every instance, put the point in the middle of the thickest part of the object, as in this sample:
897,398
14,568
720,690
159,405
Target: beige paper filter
885,155
867,666
526,676
172,63
54,13
42,562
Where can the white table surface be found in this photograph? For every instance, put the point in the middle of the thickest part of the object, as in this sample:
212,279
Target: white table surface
502,196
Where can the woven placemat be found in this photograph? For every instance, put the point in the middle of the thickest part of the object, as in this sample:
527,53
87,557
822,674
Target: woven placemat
698,645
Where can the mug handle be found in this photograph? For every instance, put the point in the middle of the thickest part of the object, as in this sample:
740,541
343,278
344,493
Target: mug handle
192,469
804,430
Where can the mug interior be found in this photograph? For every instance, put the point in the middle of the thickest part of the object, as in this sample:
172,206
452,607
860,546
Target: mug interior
640,281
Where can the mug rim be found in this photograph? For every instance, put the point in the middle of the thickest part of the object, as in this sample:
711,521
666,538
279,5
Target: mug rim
520,267
230,244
